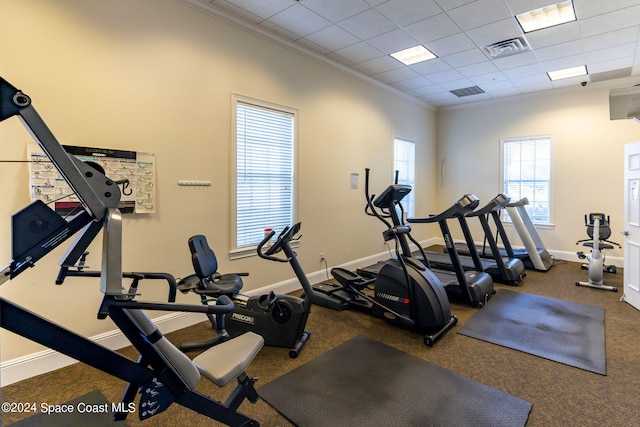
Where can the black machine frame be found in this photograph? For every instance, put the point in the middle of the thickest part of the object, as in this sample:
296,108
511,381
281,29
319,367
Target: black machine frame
37,230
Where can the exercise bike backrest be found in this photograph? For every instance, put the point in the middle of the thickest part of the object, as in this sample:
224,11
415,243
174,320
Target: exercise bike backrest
203,258
605,230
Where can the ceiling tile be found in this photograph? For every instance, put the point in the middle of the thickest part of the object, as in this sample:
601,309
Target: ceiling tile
610,21
414,83
559,50
332,38
375,2
359,52
399,74
589,8
433,28
299,20
452,4
452,44
381,64
615,52
393,41
554,35
336,10
445,76
566,62
520,6
610,65
532,83
368,24
611,39
431,66
514,61
472,70
524,71
465,58
495,32
489,78
479,13
495,86
456,84
405,12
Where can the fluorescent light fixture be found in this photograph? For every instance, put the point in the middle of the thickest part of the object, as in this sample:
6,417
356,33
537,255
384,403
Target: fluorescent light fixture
547,16
413,55
568,72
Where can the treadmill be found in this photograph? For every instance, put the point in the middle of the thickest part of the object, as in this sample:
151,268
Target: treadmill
534,255
469,287
503,266
462,285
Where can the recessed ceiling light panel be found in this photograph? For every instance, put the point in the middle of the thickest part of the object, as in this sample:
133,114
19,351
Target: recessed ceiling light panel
547,16
413,55
568,72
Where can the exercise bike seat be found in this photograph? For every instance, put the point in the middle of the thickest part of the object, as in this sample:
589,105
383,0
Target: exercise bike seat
601,246
205,264
225,284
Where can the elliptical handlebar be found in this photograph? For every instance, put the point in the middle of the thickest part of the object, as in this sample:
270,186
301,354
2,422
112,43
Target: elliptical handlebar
369,208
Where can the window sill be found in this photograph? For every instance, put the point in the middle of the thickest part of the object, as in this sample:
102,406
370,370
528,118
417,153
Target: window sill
251,251
537,225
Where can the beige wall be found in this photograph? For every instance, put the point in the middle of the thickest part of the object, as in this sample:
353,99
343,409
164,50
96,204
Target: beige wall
155,75
587,156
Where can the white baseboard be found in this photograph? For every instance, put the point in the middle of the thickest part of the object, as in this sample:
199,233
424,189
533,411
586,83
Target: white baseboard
571,256
48,360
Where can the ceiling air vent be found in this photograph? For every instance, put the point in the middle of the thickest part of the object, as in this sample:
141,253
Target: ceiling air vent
472,90
507,47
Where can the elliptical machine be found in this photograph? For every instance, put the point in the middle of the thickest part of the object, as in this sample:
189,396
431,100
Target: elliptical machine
280,319
405,292
598,231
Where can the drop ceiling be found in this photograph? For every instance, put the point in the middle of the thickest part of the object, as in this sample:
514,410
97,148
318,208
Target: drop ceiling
357,36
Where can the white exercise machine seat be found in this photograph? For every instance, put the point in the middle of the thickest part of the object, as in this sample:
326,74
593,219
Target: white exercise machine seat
220,364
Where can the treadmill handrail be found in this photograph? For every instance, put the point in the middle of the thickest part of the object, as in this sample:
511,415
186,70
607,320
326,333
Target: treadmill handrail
465,205
522,202
497,203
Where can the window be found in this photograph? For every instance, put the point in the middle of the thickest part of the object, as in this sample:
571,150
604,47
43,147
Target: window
404,162
264,159
527,173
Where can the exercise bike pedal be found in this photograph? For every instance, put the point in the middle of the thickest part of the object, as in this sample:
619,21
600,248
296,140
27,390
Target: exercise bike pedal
266,301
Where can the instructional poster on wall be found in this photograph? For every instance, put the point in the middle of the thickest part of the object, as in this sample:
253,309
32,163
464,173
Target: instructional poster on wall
135,169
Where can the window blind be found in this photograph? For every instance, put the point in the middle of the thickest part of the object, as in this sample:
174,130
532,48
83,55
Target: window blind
264,172
527,173
404,162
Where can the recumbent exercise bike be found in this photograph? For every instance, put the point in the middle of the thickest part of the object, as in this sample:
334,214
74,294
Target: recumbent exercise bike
598,231
280,319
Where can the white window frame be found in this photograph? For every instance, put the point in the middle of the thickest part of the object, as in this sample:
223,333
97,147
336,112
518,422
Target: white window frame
404,161
240,249
534,197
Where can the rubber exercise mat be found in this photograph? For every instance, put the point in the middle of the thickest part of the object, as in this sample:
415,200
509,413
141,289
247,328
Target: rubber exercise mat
558,330
363,382
86,410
